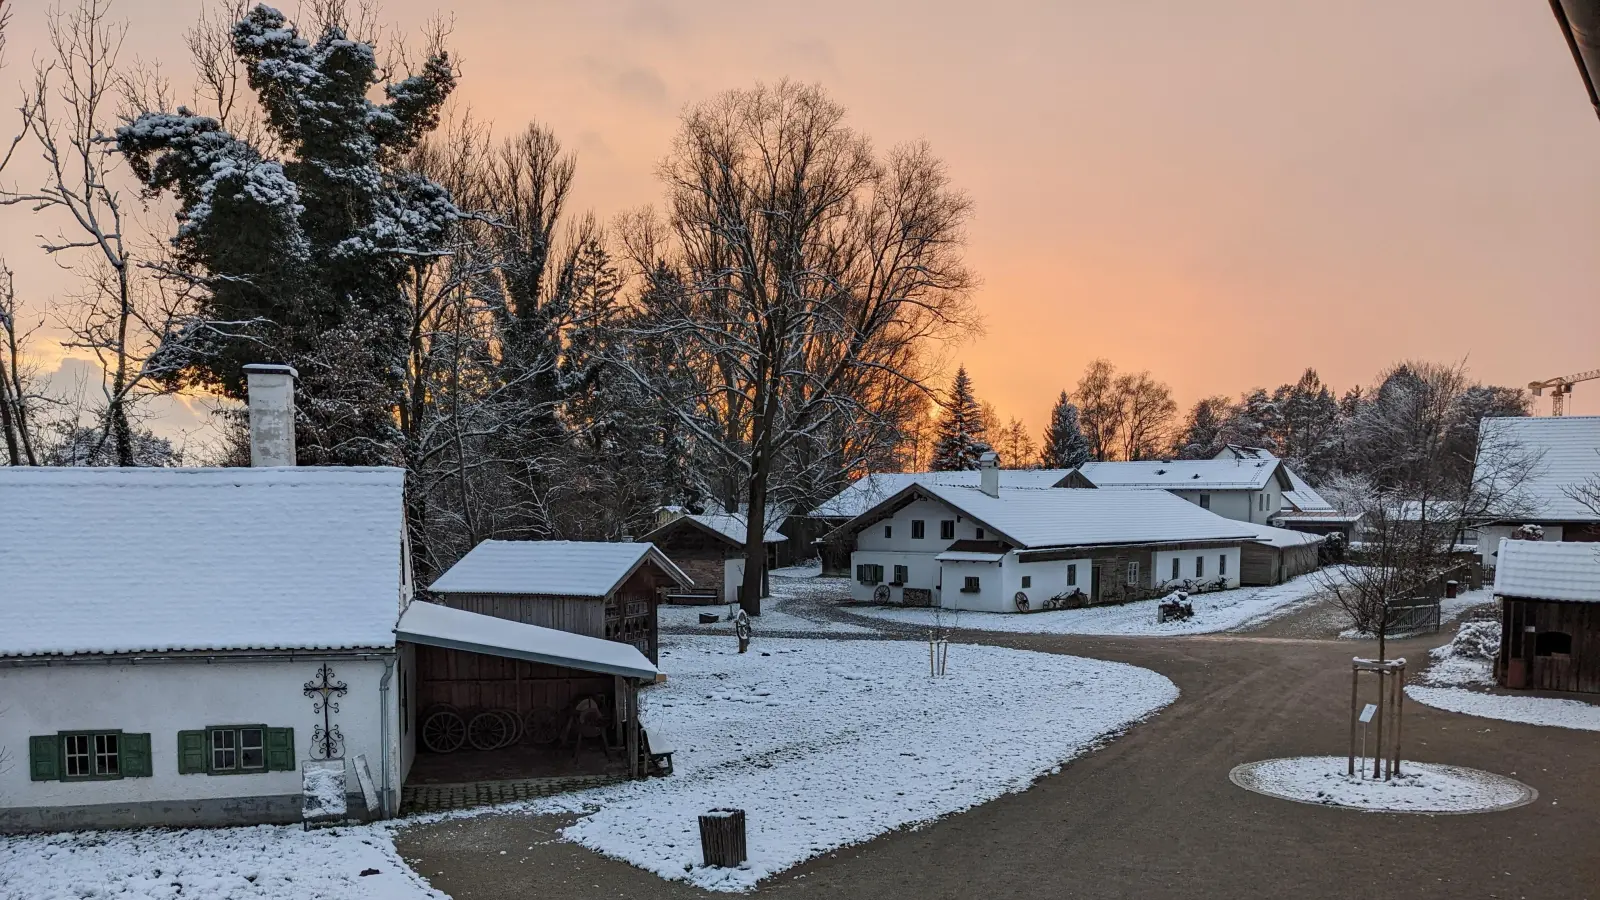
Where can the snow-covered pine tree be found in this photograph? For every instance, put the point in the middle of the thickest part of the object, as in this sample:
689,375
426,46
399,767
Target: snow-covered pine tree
1202,434
298,249
1065,447
961,434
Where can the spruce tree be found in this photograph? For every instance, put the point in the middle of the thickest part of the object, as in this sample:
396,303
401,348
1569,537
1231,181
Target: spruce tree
1065,447
961,436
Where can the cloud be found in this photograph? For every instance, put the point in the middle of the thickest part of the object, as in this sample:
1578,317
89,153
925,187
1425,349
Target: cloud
641,86
807,54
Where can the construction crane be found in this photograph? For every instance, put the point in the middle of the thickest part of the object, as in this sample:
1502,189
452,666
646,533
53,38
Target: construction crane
1560,388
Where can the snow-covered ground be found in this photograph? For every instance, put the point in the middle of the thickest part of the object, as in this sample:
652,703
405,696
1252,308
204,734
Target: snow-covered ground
798,597
268,862
1467,662
1421,788
830,743
1217,611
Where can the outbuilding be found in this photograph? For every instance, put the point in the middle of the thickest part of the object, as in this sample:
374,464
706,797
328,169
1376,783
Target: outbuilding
1277,555
709,547
1549,595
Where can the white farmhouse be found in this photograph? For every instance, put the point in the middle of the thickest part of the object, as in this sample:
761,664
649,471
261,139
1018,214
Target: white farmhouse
179,645
1565,452
1003,549
1246,490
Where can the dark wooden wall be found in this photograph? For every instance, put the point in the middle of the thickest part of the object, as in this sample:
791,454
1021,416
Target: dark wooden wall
1260,564
1576,671
471,681
579,615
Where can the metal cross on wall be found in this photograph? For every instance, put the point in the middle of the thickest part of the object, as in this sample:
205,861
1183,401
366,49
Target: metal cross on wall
326,741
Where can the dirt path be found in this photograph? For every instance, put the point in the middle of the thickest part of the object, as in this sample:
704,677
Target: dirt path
1152,814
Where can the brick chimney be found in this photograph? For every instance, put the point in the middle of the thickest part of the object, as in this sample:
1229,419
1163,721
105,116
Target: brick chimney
271,392
989,473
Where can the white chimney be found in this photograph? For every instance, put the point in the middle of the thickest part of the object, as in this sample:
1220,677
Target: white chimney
989,473
271,392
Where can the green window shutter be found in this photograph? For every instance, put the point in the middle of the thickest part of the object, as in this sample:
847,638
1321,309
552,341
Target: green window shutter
44,757
192,753
135,755
280,750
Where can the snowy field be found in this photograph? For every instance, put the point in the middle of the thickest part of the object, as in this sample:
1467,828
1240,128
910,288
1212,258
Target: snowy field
1463,667
1217,611
826,744
796,606
268,862
1422,788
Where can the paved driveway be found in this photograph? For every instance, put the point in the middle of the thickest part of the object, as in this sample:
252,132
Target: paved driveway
1153,815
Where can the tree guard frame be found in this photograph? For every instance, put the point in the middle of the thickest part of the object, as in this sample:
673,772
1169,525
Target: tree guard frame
1391,674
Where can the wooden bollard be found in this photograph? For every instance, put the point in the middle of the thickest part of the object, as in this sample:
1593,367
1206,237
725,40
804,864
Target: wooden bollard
722,837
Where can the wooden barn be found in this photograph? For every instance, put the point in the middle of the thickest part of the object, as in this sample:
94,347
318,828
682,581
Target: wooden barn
526,710
1277,555
709,547
1549,595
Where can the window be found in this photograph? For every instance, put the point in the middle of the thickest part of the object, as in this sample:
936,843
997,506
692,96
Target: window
1176,572
88,756
236,750
1222,564
1027,581
980,534
947,530
1205,501
970,585
1133,573
901,575
1199,567
1072,574
918,529
888,531
1552,643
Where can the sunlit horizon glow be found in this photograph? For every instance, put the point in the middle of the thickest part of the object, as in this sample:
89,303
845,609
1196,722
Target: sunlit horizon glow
1223,193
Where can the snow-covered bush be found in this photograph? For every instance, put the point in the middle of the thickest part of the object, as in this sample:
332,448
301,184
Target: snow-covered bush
1474,640
1528,532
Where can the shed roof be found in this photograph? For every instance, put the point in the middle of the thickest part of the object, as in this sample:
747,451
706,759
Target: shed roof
1569,455
870,490
1033,518
552,568
1282,537
1187,474
458,629
730,527
109,560
1548,570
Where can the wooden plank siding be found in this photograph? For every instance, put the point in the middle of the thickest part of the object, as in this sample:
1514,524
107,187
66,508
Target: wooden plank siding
473,681
579,615
1576,671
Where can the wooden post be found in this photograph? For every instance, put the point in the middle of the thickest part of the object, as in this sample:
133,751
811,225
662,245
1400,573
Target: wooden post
1377,751
631,695
1399,719
1355,691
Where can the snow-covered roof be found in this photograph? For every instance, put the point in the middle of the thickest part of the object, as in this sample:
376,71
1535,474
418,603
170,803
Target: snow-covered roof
1033,518
1282,537
870,490
552,568
1570,455
1317,517
1548,570
1301,496
106,560
730,526
1185,474
458,629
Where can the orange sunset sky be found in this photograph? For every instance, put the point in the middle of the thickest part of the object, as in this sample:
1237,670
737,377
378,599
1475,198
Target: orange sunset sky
1222,192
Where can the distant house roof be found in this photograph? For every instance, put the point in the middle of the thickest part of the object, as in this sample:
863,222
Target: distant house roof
106,560
458,629
1570,455
1548,570
1187,474
1034,518
730,527
869,490
1282,537
1317,517
552,568
1301,496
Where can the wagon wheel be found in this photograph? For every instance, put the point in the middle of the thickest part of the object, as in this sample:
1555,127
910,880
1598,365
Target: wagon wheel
444,731
487,731
880,594
1021,601
542,726
513,726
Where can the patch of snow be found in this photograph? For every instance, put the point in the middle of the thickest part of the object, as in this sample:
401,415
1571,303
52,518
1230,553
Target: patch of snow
322,789
811,568
1216,611
1421,788
795,607
1574,714
825,744
267,862
1468,658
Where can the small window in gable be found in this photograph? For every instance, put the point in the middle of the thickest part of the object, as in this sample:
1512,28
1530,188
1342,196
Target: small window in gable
888,531
1027,581
947,530
918,529
1205,501
980,534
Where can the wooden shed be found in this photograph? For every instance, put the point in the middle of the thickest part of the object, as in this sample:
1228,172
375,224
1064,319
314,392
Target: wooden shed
709,547
1277,555
1549,594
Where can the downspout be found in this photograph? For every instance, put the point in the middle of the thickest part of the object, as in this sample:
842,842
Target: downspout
385,795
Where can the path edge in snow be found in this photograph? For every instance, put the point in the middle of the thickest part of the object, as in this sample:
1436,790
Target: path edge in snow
1238,775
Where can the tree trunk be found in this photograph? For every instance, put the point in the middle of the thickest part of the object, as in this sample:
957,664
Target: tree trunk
755,549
